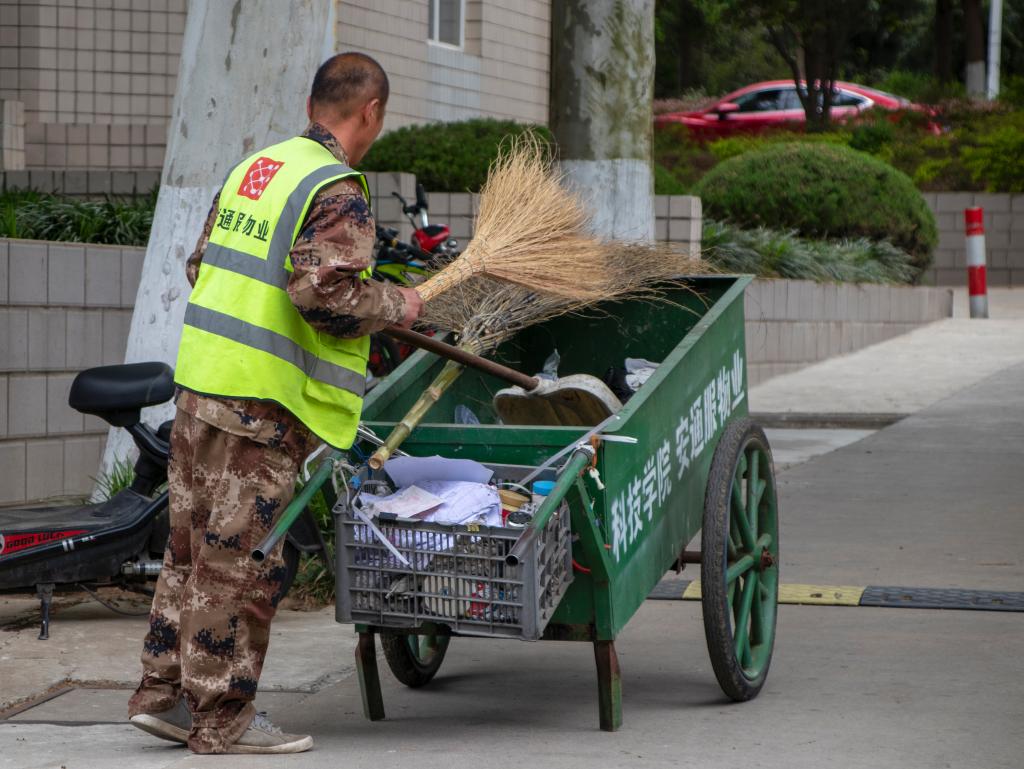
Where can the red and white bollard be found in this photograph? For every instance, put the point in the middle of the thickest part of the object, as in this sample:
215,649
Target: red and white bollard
977,288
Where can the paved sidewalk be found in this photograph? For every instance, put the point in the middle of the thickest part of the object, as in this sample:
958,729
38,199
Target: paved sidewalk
90,644
907,373
899,376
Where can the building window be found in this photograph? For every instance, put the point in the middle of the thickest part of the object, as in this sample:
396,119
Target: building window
448,22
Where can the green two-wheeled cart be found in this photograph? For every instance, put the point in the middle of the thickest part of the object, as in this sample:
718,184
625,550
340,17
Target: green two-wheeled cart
680,459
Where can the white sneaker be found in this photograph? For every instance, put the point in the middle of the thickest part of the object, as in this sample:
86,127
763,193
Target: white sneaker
173,724
263,737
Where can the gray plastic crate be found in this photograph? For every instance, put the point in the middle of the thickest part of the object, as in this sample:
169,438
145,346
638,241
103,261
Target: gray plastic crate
458,575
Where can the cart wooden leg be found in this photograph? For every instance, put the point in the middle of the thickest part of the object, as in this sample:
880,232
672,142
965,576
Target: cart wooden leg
609,685
369,677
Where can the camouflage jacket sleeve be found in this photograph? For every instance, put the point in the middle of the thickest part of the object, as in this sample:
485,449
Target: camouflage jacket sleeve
192,265
334,246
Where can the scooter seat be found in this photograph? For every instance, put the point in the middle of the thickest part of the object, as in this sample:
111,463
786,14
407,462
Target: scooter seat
117,393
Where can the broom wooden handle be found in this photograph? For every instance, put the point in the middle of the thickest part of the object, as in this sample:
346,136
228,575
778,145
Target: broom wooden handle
415,415
460,355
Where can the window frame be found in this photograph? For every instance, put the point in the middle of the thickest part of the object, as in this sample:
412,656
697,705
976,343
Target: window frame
434,21
860,101
752,96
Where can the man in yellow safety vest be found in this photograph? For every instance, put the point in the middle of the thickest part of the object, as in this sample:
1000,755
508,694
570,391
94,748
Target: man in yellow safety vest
272,361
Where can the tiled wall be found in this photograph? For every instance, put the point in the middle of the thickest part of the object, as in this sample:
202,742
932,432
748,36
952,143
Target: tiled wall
502,71
1004,237
793,323
83,183
63,307
12,135
97,78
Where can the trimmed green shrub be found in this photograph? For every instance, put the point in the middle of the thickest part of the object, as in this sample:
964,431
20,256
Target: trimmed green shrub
731,146
821,190
665,183
446,157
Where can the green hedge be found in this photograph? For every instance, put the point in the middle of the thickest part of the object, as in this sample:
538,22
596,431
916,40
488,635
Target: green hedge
41,216
446,157
821,190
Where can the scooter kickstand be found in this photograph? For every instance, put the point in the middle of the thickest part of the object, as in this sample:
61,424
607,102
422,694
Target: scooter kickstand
45,594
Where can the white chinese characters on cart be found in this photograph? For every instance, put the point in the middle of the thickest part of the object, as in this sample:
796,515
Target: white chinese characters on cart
635,505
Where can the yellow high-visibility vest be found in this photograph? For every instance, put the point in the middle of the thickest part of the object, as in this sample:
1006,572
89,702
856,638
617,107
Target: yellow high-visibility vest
243,337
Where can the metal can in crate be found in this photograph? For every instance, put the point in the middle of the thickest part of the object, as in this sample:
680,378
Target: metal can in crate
459,576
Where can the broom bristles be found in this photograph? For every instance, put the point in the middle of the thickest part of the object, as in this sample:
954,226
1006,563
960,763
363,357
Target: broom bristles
487,312
530,231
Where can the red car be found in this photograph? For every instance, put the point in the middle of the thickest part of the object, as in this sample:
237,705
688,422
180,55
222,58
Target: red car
775,104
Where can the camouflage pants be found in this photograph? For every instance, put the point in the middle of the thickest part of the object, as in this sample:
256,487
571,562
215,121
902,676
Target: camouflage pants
210,621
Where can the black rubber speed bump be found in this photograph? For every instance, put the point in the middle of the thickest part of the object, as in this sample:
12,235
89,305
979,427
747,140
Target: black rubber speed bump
669,590
942,598
871,595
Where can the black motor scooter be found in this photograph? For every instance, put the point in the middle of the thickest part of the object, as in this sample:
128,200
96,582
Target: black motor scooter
119,541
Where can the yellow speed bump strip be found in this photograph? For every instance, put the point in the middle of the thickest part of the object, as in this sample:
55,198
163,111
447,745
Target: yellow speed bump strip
820,595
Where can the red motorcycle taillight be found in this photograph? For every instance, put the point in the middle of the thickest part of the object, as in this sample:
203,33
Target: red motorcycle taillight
431,237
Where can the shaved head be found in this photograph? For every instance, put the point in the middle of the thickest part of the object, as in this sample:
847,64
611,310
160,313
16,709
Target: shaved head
346,82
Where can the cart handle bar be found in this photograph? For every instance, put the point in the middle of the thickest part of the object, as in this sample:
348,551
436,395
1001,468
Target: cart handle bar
579,460
312,485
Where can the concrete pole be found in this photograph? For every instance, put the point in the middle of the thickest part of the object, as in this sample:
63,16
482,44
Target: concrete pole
995,41
602,82
244,76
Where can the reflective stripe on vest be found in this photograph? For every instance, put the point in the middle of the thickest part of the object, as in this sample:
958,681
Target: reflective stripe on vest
275,344
243,337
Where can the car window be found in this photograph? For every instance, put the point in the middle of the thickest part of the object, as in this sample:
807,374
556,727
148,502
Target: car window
790,99
847,99
761,101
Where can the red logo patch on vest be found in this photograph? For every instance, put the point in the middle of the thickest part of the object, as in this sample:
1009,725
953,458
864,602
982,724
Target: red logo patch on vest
258,177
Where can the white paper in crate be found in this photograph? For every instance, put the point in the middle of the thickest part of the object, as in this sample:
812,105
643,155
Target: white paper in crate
410,502
406,471
452,502
459,486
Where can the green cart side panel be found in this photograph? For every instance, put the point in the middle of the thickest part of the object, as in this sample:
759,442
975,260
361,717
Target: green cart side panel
653,499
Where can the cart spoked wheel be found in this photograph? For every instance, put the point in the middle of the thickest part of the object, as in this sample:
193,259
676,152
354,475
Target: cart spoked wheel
414,659
739,572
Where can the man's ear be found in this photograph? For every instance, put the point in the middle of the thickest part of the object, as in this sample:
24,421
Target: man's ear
371,111
309,107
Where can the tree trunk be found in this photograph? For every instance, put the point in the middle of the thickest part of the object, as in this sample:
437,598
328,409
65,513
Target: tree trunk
974,41
244,76
602,79
815,45
944,40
